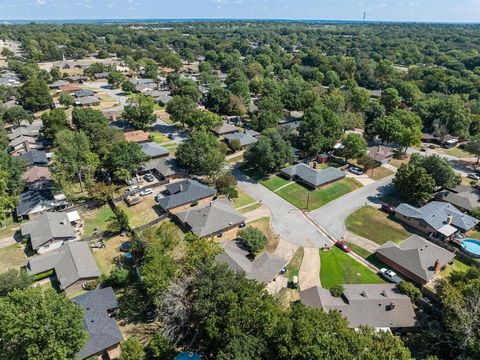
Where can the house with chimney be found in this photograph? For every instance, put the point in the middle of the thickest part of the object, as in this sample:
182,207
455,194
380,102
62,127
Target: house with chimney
438,219
415,258
181,195
381,306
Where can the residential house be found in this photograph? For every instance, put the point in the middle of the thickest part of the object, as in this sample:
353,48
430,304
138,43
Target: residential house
310,177
154,150
100,75
87,101
217,218
35,158
415,258
381,306
70,88
77,79
182,194
38,178
33,202
263,269
26,129
462,197
243,139
73,264
56,85
23,144
225,129
381,154
113,115
439,219
49,231
252,133
104,336
138,136
83,93
165,168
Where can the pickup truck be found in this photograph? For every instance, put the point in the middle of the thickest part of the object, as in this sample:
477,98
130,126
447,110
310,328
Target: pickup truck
390,276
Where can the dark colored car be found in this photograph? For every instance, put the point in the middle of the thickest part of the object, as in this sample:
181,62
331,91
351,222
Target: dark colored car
149,177
126,246
388,208
343,246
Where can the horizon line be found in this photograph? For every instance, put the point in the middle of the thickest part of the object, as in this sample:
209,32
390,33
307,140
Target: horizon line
159,20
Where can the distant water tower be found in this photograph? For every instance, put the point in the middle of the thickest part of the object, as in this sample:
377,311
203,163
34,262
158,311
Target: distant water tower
364,16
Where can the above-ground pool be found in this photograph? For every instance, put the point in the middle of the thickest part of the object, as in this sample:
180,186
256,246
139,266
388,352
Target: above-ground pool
471,247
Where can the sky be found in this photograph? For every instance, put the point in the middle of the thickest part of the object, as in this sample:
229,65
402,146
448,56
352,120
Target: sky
377,10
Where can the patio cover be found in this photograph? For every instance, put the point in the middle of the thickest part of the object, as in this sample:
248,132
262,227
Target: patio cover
447,230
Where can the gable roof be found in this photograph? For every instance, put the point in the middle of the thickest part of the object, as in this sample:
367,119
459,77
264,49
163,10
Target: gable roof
464,197
243,138
416,255
154,150
263,269
313,176
35,157
103,331
73,261
37,173
166,167
185,192
32,199
365,304
83,93
225,129
211,218
87,100
47,227
436,214
136,136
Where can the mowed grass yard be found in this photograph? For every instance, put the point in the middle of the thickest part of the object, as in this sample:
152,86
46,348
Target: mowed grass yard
142,213
96,219
105,257
159,137
264,226
304,198
339,268
245,203
376,226
12,257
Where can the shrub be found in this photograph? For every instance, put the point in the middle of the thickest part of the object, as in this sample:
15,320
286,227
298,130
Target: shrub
410,290
337,290
253,239
118,277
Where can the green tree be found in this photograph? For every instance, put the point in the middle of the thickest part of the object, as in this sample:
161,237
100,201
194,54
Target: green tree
125,159
204,120
14,167
40,324
139,111
473,147
226,184
14,280
270,153
414,184
8,200
15,115
128,87
73,158
270,112
439,169
410,290
66,99
387,128
115,79
201,154
161,347
254,239
54,121
181,108
34,95
331,79
132,349
320,130
354,146
390,99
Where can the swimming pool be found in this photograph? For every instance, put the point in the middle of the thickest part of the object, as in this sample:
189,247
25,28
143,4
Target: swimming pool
471,246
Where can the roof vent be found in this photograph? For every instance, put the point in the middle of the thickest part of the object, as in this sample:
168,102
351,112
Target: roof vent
364,293
384,293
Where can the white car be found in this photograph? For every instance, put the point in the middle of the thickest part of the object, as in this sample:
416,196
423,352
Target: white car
390,275
355,170
473,176
146,192
132,188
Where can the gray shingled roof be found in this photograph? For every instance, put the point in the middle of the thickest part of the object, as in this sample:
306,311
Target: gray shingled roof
436,215
243,138
225,129
103,331
167,166
47,227
153,149
35,157
185,192
416,255
87,100
83,93
313,176
73,261
365,304
212,218
464,197
263,269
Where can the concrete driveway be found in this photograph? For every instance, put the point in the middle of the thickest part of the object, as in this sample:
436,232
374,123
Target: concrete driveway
309,273
332,216
290,223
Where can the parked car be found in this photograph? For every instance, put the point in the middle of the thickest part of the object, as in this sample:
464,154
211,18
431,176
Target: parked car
390,276
149,177
132,188
388,208
126,246
343,246
146,192
355,170
473,176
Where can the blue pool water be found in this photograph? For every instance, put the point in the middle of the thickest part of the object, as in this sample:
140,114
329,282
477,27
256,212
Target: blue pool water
472,246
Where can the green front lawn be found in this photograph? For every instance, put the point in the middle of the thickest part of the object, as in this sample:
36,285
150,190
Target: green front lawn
96,219
456,266
337,268
457,152
243,199
274,182
12,257
293,266
159,137
380,173
375,225
9,227
304,198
